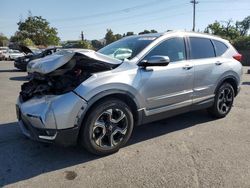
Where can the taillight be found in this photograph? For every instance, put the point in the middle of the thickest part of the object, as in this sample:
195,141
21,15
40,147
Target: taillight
238,57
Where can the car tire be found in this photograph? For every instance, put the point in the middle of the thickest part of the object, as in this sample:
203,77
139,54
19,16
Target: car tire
223,102
107,127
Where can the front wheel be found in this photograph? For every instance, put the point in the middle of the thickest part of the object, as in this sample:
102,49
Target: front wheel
223,102
107,128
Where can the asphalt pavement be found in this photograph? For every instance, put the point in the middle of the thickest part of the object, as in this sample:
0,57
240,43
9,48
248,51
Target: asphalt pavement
189,150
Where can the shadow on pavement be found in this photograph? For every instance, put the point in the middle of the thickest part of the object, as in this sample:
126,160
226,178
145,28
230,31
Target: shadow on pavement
22,159
245,83
11,70
19,78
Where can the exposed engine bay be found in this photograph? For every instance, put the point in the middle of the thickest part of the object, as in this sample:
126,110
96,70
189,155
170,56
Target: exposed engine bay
64,78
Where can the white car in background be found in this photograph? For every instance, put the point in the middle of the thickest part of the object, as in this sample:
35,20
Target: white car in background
12,54
2,51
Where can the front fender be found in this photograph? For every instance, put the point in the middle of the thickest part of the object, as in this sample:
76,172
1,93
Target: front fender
130,92
99,92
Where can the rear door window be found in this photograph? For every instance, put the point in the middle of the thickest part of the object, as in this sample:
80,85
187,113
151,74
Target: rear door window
201,48
220,47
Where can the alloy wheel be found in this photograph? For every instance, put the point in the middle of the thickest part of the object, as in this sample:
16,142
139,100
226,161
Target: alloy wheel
110,128
225,100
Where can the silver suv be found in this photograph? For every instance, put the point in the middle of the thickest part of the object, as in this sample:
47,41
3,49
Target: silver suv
96,98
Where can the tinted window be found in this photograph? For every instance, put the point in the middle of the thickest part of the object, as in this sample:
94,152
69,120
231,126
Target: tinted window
201,48
220,47
173,48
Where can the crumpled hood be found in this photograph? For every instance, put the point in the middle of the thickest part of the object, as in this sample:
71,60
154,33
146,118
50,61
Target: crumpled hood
52,62
21,48
25,49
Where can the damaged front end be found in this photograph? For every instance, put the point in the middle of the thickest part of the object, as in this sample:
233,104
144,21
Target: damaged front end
63,72
47,109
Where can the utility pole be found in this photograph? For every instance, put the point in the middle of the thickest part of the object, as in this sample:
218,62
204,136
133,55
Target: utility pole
82,36
194,2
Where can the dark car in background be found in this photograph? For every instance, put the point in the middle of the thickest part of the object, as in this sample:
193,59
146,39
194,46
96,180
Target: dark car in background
22,62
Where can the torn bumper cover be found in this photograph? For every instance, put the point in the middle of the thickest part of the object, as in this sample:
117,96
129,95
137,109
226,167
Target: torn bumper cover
53,119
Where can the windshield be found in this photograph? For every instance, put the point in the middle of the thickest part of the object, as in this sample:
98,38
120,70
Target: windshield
127,48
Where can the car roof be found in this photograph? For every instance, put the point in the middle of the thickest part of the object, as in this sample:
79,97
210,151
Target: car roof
177,32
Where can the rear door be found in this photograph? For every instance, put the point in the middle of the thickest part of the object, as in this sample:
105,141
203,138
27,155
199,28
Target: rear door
206,65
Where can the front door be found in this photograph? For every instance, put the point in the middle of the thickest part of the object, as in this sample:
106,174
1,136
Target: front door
169,87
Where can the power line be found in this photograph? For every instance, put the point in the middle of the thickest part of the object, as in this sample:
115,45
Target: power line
124,10
194,2
158,11
157,18
160,18
225,1
221,10
121,20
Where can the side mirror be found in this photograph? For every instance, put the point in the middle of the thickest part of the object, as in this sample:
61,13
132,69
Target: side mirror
155,60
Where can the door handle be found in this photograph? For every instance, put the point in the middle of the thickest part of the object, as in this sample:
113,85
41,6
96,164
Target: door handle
218,63
187,67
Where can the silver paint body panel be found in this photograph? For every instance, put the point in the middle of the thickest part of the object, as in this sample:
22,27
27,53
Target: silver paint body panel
53,112
153,89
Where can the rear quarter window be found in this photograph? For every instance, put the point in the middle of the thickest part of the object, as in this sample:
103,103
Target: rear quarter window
201,48
220,47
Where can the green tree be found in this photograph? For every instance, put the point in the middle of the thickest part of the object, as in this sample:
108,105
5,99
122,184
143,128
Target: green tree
118,36
153,31
214,28
3,40
27,42
147,31
78,44
226,29
84,44
144,32
236,32
242,43
38,30
96,44
109,36
243,26
129,33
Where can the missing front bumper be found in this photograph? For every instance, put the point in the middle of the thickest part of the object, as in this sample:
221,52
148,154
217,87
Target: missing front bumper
53,119
65,137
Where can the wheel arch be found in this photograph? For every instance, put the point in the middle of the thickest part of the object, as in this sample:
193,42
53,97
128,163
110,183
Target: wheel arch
231,80
124,96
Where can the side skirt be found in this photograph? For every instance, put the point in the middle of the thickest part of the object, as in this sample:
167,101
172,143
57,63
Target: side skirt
170,113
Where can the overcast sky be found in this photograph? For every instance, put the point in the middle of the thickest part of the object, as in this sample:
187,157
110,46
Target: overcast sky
93,17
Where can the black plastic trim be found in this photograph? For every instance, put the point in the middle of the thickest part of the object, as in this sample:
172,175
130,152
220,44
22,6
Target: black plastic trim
64,137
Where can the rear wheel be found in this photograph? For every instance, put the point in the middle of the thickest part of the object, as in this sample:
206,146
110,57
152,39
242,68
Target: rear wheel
108,127
223,102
